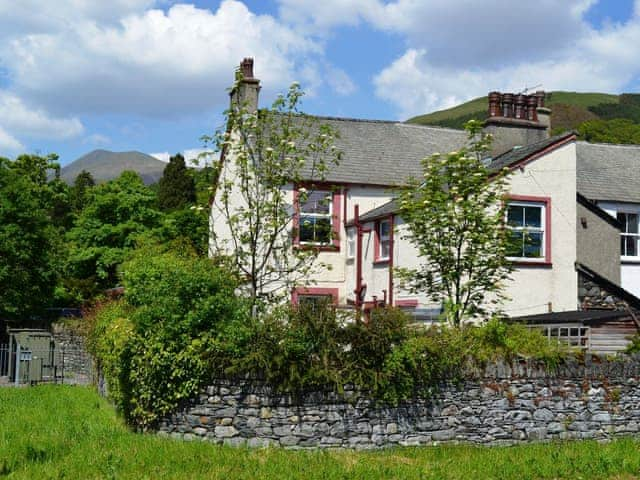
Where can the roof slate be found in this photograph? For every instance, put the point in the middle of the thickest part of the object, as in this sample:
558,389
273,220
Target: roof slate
515,155
386,153
609,172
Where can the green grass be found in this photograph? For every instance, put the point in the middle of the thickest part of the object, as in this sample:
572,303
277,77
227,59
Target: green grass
69,432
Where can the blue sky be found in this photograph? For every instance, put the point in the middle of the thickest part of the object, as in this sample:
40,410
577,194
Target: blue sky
150,75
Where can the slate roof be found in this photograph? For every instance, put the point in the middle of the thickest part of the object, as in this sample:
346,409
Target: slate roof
379,212
609,172
517,154
575,316
380,152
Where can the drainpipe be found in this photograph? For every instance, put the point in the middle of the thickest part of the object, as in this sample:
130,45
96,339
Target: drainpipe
358,290
391,251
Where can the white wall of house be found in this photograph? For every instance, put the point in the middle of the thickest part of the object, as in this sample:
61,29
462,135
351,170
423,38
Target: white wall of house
533,287
630,260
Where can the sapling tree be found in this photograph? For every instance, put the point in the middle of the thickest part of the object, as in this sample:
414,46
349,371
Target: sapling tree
265,154
455,216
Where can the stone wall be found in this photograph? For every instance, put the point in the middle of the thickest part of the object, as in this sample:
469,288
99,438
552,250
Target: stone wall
77,363
505,404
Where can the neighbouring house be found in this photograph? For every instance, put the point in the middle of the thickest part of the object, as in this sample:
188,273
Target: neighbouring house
567,277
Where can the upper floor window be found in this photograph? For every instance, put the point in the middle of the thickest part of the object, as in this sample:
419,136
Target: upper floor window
630,235
383,230
527,223
315,220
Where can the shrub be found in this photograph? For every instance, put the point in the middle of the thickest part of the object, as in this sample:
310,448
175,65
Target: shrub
152,345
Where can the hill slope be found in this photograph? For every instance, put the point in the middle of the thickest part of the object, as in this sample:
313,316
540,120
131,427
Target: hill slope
569,110
105,165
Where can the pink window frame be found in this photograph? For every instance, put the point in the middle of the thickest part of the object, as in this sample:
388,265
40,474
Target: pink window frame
324,292
377,259
546,261
336,209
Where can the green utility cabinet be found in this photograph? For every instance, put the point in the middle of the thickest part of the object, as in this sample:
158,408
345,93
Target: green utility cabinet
34,358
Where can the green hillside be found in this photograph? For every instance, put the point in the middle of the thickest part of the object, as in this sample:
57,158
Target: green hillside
569,110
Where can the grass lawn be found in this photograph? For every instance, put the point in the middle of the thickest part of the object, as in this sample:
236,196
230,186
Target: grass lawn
70,432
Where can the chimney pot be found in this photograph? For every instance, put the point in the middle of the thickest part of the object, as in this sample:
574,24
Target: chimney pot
246,67
520,106
495,109
532,105
540,96
507,105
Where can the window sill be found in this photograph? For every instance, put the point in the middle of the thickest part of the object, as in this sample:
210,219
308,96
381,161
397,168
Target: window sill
381,262
320,248
531,263
630,261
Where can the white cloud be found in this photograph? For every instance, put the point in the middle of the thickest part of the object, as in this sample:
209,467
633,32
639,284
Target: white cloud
9,144
18,119
194,157
153,62
97,139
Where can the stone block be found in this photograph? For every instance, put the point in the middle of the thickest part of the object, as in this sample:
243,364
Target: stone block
226,432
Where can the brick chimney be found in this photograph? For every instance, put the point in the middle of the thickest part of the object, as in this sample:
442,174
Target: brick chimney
247,87
517,120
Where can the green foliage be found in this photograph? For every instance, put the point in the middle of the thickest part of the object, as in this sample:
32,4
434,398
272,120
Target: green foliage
30,250
634,346
262,155
82,185
116,214
152,344
176,188
455,218
189,225
610,131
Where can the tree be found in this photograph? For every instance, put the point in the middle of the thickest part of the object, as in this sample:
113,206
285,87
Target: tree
263,154
82,184
117,212
29,247
455,217
176,188
618,130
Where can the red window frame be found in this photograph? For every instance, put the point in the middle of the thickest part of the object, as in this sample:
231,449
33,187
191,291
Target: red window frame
336,209
311,291
377,258
546,201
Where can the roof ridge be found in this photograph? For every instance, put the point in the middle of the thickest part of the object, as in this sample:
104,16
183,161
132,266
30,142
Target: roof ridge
389,122
603,144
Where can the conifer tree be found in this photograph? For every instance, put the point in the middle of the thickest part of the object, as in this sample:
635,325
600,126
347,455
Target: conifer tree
176,188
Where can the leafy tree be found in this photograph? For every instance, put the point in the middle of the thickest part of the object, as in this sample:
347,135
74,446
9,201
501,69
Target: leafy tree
29,246
610,131
176,188
82,184
263,154
455,219
117,212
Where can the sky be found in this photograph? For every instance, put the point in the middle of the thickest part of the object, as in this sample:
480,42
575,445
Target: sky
151,75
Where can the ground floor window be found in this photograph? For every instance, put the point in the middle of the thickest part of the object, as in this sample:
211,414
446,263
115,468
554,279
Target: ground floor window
570,335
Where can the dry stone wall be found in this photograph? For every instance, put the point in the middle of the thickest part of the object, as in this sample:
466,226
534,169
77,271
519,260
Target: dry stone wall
504,404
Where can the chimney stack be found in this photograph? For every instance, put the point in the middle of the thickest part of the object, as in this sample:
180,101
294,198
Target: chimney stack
517,120
247,88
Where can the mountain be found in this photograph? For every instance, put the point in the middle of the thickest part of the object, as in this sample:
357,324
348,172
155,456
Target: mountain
105,165
568,110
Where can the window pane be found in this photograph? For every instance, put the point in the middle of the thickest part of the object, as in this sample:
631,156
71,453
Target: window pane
533,217
515,216
315,229
533,245
623,245
317,202
632,223
314,301
631,245
384,228
384,249
622,218
514,249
